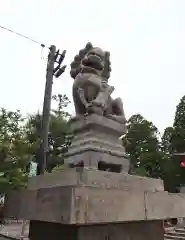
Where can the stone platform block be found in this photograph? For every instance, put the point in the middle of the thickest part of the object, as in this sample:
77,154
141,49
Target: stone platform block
96,138
83,196
90,177
93,205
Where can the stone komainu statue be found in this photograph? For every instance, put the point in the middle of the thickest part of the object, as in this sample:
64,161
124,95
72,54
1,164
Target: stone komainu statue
91,91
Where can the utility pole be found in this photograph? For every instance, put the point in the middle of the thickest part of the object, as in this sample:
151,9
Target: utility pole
50,72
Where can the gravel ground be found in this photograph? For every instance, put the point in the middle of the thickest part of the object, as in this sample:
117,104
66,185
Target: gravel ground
14,230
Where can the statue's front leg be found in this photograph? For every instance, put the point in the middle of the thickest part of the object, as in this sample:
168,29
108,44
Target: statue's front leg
90,107
103,96
83,99
100,103
117,118
117,113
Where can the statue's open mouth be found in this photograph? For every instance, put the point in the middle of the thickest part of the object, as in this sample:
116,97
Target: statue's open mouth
92,63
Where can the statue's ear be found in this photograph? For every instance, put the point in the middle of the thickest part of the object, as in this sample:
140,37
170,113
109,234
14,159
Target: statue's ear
89,46
107,55
73,73
107,58
107,69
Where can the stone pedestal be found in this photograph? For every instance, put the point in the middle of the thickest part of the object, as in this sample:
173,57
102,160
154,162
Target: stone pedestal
88,204
97,140
84,203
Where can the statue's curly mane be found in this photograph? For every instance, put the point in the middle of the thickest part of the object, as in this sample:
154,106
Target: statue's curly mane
75,65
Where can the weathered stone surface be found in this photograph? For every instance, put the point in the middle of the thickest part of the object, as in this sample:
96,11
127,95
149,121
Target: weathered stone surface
94,205
111,205
46,204
164,205
13,231
83,196
97,205
91,177
85,123
97,139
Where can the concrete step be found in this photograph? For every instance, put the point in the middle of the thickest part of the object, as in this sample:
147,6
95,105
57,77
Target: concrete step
175,237
182,230
176,233
169,229
165,238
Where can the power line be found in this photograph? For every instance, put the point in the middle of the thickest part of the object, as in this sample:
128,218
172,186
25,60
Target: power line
23,36
50,72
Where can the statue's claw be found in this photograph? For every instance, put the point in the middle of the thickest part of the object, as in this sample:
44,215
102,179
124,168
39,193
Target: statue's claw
99,104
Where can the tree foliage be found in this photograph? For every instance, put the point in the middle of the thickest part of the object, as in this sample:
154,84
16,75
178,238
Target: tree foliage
178,138
13,148
20,142
173,142
155,157
143,147
57,132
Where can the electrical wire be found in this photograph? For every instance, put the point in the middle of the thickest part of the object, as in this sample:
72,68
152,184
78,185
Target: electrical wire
23,36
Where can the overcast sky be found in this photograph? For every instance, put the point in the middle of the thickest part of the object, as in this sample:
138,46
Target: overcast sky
146,39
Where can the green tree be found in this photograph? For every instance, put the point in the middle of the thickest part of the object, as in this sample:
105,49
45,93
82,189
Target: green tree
13,149
57,135
20,140
171,168
173,141
178,138
166,141
143,147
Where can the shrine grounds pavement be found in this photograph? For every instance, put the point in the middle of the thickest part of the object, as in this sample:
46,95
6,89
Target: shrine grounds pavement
13,230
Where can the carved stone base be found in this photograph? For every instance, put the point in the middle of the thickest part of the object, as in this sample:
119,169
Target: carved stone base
97,140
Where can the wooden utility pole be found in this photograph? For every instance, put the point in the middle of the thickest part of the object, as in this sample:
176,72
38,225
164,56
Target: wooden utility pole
47,106
50,72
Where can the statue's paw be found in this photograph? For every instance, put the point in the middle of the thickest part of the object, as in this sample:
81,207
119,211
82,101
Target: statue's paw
94,102
98,104
89,106
103,105
116,118
111,88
